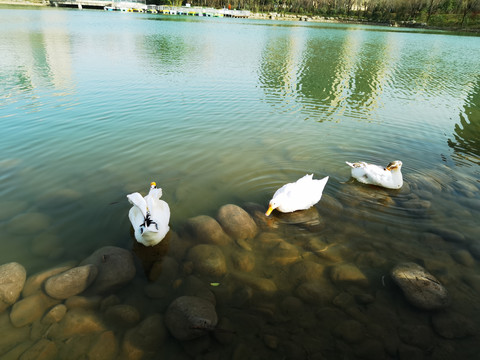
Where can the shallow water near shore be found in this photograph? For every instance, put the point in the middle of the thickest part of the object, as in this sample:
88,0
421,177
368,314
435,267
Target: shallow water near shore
97,105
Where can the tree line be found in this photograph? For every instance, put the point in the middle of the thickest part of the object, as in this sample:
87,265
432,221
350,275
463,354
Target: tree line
442,13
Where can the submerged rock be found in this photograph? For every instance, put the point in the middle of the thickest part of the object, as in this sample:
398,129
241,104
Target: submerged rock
84,302
35,282
43,349
284,254
115,269
145,339
193,286
309,218
305,271
104,348
208,260
164,270
190,317
348,274
48,245
350,331
77,322
12,280
37,222
55,314
464,257
452,325
207,230
420,336
265,286
236,222
420,288
122,315
31,308
71,282
243,260
449,235
316,292
268,240
12,336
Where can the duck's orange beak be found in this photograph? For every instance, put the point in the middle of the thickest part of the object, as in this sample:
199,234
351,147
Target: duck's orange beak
269,211
153,184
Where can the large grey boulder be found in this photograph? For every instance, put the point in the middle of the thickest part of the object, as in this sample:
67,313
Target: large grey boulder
115,266
420,288
190,317
12,280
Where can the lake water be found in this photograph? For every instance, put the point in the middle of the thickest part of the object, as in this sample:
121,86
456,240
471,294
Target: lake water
96,105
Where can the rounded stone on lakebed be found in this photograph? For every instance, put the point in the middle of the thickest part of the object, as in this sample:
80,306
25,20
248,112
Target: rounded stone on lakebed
34,283
237,222
146,338
36,221
190,317
208,260
115,266
122,315
207,230
55,314
243,260
31,308
12,280
452,325
71,282
420,288
305,271
348,274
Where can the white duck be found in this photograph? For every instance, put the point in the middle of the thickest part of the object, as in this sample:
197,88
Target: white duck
300,195
389,177
149,216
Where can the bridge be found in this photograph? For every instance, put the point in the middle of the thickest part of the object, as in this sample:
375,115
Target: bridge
95,4
140,6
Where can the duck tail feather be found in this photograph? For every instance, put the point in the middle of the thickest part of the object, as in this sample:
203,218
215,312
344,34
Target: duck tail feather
137,200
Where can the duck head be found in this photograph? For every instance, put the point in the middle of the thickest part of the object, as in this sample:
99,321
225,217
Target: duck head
153,185
271,206
394,165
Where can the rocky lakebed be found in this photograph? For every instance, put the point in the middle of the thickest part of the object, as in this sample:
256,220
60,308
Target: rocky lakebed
240,285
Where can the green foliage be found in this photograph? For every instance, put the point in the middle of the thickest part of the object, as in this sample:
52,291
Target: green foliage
437,13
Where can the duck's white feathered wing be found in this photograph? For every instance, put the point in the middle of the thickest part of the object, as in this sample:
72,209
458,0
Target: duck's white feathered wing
302,194
138,212
376,175
153,231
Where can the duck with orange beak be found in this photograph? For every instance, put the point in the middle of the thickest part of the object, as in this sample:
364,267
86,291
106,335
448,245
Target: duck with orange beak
389,177
149,216
300,195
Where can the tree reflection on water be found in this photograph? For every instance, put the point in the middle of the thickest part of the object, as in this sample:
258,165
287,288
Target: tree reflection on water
466,142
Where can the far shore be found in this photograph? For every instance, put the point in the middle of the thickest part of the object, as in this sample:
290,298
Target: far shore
307,18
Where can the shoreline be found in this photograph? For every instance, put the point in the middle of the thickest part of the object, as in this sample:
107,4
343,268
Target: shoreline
306,18
24,3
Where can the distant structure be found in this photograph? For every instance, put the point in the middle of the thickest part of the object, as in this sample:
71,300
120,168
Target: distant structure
87,4
141,6
131,5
